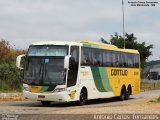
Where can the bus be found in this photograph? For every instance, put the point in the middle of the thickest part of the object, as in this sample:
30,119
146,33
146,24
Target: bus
60,71
154,74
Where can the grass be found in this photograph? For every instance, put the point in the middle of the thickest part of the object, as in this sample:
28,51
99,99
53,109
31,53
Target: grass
156,100
5,87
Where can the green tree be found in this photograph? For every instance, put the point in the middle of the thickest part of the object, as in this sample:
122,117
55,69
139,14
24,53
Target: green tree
131,43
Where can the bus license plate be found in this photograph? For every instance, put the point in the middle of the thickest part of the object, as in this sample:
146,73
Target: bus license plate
41,96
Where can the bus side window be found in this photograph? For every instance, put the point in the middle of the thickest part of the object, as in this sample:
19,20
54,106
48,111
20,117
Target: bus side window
121,60
136,61
117,63
86,57
107,58
114,59
125,60
130,60
97,57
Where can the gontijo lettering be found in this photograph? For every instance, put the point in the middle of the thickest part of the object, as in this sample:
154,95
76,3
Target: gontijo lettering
119,72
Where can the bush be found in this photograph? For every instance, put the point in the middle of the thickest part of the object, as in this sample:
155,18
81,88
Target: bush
10,77
158,99
4,87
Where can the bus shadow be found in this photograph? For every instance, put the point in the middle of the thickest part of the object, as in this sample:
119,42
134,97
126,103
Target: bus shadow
105,100
69,104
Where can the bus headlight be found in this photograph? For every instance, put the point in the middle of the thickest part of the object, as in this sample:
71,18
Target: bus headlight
59,89
26,88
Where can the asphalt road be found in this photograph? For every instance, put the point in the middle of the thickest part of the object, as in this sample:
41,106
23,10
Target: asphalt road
34,108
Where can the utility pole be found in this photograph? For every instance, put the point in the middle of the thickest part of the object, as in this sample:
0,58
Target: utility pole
123,23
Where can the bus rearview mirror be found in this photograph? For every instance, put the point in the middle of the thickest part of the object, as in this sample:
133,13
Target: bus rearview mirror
19,62
66,62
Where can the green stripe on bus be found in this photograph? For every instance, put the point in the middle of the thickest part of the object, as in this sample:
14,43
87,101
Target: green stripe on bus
97,79
44,88
86,45
90,45
95,46
105,79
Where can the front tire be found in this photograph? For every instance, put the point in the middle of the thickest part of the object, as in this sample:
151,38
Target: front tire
82,98
46,103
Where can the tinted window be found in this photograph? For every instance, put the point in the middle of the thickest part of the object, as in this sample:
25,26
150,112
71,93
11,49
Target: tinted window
136,61
124,60
107,58
115,59
97,57
131,60
86,56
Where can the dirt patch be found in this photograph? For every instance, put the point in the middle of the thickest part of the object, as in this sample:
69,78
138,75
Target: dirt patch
7,97
12,99
145,86
158,99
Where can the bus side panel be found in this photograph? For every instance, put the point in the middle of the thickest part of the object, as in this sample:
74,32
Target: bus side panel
124,76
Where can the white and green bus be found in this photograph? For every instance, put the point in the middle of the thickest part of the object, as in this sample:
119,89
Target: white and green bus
60,71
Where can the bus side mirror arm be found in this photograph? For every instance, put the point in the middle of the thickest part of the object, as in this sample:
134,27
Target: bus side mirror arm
66,62
18,61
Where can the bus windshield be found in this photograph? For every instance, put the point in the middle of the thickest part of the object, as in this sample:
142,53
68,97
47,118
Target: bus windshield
45,65
47,50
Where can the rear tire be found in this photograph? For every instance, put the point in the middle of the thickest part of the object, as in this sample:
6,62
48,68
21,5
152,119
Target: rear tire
46,103
123,94
129,92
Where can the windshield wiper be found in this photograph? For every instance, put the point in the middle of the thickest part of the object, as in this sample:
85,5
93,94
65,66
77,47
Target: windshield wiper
41,69
46,74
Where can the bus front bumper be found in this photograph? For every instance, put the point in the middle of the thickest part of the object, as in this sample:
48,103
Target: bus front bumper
54,97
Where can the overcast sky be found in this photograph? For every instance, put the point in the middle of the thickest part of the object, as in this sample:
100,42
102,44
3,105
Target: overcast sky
25,21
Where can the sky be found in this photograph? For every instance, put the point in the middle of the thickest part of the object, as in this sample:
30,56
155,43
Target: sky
23,22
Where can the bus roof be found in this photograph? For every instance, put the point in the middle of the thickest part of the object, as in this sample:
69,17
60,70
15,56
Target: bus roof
107,46
56,43
87,44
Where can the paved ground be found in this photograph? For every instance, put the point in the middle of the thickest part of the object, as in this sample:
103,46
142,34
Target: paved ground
150,81
137,104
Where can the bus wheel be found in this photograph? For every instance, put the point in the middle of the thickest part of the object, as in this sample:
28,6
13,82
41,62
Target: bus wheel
83,97
123,94
128,93
46,103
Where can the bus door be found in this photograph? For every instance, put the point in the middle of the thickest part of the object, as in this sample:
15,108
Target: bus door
73,66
